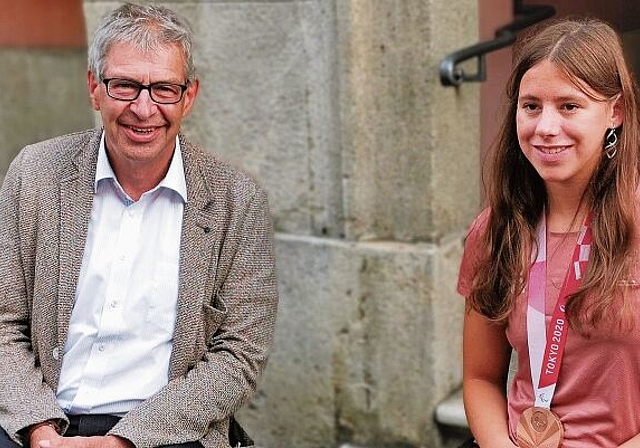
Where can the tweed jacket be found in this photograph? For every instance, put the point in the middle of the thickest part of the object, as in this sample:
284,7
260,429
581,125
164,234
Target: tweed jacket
227,292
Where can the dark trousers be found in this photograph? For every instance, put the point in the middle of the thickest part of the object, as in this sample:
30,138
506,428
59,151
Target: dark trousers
89,425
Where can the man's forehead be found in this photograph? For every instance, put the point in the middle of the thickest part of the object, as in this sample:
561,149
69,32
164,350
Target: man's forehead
147,51
128,56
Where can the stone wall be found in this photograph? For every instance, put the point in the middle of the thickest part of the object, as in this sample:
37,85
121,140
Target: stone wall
43,94
372,172
43,73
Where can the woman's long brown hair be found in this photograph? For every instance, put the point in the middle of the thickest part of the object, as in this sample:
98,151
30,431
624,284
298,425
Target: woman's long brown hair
590,53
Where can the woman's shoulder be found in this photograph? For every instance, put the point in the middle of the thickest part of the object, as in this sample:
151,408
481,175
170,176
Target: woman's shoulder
479,225
473,250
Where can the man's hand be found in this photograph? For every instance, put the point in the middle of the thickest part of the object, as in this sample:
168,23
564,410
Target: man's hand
52,440
40,433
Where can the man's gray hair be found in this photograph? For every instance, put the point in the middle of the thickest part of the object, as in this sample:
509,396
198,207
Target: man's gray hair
147,28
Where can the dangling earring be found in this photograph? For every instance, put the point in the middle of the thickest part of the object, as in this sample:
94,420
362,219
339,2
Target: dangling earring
611,148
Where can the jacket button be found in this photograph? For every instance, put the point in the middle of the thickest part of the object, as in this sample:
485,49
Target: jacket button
56,353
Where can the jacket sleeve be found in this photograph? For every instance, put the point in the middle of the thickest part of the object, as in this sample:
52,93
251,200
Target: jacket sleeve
25,399
198,404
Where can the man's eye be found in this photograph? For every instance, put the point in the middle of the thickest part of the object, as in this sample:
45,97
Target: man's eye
124,85
166,88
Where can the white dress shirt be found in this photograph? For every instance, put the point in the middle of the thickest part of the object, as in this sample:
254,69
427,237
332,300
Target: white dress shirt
121,329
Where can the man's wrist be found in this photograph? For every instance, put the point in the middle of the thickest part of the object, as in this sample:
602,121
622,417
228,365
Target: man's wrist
50,423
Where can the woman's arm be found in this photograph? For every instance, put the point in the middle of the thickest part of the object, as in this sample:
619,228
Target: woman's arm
486,353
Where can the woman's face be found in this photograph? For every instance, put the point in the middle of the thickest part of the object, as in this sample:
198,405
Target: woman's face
560,128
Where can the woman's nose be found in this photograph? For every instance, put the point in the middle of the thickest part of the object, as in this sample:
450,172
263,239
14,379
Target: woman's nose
548,122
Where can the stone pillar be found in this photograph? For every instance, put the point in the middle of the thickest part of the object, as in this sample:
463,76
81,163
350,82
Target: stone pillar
372,172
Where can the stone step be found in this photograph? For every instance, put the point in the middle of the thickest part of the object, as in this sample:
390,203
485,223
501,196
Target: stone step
452,421
451,418
451,411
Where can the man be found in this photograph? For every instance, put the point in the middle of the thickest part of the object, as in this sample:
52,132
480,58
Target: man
137,286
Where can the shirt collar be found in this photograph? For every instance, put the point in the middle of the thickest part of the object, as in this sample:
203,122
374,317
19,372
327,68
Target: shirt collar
174,179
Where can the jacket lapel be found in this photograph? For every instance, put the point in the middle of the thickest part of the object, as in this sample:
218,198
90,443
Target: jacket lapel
197,262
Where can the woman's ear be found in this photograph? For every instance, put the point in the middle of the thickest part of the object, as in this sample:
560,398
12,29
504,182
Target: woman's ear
617,111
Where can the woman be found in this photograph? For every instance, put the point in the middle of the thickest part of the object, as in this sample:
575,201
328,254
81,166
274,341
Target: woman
550,267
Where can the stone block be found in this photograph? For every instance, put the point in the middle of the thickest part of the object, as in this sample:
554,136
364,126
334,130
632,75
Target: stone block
358,353
268,101
409,144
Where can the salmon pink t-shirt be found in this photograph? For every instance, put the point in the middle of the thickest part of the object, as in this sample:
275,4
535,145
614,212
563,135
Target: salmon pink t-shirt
597,397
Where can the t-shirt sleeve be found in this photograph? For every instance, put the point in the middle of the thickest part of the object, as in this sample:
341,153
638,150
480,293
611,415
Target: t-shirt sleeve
471,256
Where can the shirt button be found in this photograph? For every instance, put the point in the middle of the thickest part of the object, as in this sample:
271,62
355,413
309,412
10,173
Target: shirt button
101,347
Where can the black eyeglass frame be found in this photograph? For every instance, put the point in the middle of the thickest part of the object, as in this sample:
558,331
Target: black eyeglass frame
141,87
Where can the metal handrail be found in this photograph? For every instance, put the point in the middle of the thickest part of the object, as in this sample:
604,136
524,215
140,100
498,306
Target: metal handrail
451,75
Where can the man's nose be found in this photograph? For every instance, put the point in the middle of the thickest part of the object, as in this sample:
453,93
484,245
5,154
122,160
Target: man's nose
144,106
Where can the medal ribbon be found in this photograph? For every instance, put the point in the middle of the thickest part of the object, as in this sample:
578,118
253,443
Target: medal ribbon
547,343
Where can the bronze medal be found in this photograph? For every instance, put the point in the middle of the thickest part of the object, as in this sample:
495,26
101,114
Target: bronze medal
539,428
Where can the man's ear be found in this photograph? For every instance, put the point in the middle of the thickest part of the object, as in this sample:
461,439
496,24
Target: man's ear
190,96
94,90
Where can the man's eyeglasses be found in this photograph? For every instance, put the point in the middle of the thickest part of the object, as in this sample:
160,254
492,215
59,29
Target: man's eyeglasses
128,90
